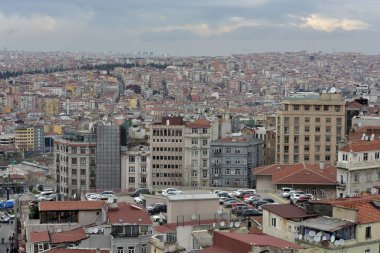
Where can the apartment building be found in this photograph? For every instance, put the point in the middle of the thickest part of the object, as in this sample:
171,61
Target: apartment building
75,162
198,136
167,152
358,167
232,159
309,128
30,138
52,106
136,167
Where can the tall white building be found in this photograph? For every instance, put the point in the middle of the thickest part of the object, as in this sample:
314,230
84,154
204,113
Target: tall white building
136,168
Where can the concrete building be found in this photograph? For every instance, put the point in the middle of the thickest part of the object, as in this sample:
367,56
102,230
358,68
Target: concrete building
310,128
30,138
198,136
232,159
358,167
108,172
75,162
52,106
136,165
167,152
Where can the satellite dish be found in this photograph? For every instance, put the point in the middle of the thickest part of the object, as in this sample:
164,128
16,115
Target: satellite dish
341,242
193,217
237,224
317,239
312,233
222,223
231,224
319,234
324,238
95,231
300,237
336,243
332,239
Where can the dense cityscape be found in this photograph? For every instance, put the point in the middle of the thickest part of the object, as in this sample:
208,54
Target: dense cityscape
138,153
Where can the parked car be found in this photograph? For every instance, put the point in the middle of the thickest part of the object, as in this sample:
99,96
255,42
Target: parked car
239,208
285,191
156,208
251,212
269,200
295,196
238,204
222,200
159,217
90,195
259,203
252,198
228,203
139,191
294,192
106,195
248,196
4,219
172,190
245,192
223,194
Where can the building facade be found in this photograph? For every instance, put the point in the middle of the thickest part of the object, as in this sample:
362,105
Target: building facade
310,128
136,167
197,137
52,106
167,152
108,172
358,167
232,159
30,138
75,162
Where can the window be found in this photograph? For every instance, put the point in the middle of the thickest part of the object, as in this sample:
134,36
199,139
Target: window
296,107
307,148
204,130
131,180
337,108
306,107
317,107
204,152
296,158
307,129
286,107
120,249
296,149
286,120
365,156
286,130
296,139
204,142
194,130
377,155
328,120
194,141
328,129
274,222
328,138
296,130
356,177
228,172
143,159
83,161
228,150
307,138
307,158
368,233
171,237
307,120
317,120
327,158
296,120
144,248
339,121
328,148
317,138
131,159
74,160
286,139
323,192
317,129
131,249
237,151
286,149
326,108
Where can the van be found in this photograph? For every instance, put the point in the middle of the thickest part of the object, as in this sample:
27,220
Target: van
139,191
286,191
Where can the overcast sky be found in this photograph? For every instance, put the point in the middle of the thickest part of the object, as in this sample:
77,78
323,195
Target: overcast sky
195,27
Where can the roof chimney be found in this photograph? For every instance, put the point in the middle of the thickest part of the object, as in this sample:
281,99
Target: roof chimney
321,165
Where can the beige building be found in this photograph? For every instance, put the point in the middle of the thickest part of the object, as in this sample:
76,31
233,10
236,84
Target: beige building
309,128
52,106
167,152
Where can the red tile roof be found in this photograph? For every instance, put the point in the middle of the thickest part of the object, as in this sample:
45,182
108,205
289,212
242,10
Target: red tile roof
39,237
199,123
70,205
287,211
242,242
269,170
215,249
68,236
367,212
234,139
361,146
302,173
129,214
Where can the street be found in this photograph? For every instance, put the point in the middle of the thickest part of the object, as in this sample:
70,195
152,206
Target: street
6,230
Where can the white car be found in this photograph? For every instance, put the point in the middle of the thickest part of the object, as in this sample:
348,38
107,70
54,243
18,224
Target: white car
138,200
170,191
158,217
90,196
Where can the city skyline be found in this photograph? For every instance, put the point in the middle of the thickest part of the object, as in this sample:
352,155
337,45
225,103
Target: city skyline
191,27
